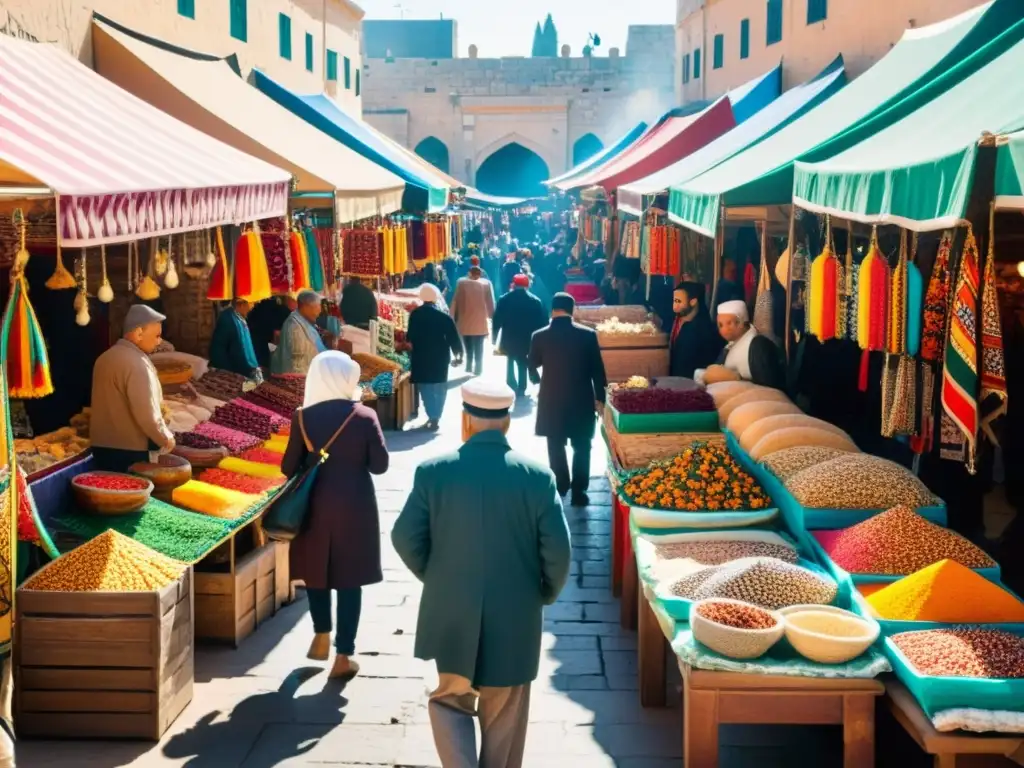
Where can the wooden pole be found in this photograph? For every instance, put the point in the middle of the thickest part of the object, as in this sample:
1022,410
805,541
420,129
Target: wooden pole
789,280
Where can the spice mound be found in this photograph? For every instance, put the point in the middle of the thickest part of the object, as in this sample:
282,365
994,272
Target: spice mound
859,481
111,562
717,552
736,616
898,542
964,652
948,592
762,581
703,477
661,400
232,439
787,462
111,482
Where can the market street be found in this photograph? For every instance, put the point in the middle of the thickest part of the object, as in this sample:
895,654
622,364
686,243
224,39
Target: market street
265,705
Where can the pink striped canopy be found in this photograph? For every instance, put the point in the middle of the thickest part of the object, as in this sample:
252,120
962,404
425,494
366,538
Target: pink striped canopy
121,169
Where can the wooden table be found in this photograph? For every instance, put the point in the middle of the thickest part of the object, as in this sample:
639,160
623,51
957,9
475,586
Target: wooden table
652,650
730,698
946,747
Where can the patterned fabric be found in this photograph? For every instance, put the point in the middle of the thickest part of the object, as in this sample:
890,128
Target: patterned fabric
936,302
763,309
960,372
899,396
922,442
993,362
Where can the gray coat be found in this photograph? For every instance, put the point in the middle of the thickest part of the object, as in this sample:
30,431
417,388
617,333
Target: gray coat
484,530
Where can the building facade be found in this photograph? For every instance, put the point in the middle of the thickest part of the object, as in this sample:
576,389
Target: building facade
721,44
460,112
410,39
310,46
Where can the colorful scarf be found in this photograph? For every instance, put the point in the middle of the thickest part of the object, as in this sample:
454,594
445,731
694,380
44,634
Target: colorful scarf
960,371
993,362
872,299
936,302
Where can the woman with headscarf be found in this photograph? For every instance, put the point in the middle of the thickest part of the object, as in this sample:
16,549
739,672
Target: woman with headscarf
339,546
435,341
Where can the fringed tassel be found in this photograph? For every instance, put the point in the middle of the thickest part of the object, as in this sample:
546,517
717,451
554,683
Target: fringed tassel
316,264
299,261
259,272
28,368
220,277
872,299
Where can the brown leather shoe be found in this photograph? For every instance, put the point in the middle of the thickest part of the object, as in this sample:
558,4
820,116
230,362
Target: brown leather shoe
344,668
320,648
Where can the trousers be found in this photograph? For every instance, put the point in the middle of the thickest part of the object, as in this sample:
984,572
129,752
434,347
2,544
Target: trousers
433,397
503,714
559,463
515,374
474,353
349,606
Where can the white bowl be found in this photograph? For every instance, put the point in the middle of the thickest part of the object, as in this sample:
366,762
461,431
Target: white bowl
826,634
730,641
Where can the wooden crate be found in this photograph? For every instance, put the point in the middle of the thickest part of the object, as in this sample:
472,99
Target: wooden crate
405,393
635,451
622,362
103,665
232,604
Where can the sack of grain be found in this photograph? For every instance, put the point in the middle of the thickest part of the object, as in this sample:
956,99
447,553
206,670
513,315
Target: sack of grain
722,391
755,395
769,424
859,481
787,462
749,413
792,437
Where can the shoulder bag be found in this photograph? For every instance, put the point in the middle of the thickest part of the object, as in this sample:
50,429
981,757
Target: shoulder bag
287,513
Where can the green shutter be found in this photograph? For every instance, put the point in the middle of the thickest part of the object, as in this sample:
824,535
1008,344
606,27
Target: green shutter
358,88
719,51
774,26
284,36
745,39
187,8
239,20
332,65
348,73
309,52
817,10
696,64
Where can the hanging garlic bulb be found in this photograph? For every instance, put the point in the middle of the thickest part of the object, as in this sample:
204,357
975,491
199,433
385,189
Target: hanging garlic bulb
171,278
82,306
211,257
106,291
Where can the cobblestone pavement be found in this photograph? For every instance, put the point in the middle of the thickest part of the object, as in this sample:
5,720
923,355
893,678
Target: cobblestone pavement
265,704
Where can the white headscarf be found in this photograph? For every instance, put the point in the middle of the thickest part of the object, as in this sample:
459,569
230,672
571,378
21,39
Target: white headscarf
332,375
430,293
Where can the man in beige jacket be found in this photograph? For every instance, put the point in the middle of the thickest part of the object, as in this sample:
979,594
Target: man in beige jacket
472,307
126,422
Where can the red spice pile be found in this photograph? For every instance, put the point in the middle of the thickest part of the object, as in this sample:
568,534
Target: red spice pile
111,482
237,482
263,456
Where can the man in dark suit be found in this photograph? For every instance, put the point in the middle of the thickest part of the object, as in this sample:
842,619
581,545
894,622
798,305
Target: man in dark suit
572,389
518,314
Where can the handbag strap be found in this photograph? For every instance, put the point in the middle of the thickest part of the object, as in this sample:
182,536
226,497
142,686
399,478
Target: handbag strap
329,443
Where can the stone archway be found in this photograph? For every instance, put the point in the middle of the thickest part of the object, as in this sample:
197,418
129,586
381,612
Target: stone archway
435,152
585,147
513,170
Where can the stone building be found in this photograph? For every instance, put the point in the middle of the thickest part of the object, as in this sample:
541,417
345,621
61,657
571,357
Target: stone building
461,112
310,46
723,43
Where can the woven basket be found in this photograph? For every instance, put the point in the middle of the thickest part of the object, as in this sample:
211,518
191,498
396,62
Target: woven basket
620,364
637,451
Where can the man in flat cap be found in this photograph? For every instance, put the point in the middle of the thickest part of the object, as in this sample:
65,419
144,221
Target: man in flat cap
484,530
747,356
300,340
572,388
518,314
126,422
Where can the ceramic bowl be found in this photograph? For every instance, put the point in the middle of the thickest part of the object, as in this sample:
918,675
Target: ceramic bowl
166,474
102,501
730,641
826,634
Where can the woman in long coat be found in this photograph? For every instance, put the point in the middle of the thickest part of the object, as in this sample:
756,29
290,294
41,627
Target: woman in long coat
339,547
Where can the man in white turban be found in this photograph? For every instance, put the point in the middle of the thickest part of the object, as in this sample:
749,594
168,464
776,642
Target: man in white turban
747,356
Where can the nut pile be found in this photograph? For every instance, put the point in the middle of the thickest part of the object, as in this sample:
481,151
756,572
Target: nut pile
111,562
717,552
964,652
898,542
859,481
763,581
787,462
736,616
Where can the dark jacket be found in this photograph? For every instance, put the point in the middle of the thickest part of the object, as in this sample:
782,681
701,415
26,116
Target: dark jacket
572,381
265,319
697,345
358,305
519,313
339,547
484,530
434,339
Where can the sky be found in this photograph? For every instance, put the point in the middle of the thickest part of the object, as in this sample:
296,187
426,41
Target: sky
505,27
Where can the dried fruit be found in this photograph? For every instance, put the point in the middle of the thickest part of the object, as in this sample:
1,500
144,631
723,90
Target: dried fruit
111,482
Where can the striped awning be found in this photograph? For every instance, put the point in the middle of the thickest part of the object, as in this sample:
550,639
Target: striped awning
121,169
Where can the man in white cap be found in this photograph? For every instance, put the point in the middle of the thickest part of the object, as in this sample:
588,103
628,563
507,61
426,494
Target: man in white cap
747,356
484,530
126,422
435,342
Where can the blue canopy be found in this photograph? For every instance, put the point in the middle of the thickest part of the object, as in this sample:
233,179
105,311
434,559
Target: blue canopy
605,154
424,191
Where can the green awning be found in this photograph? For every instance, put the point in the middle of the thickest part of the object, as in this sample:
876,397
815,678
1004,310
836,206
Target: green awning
1010,172
763,174
918,171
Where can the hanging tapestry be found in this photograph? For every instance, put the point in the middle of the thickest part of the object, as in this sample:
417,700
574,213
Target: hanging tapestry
764,315
936,302
993,361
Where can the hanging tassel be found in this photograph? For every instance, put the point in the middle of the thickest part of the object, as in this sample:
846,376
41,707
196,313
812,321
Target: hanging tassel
823,289
872,298
316,264
897,341
171,276
148,290
220,278
82,297
106,291
300,269
915,302
61,279
28,368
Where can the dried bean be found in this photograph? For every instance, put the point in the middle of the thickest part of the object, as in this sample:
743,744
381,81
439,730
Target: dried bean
859,481
964,652
787,462
736,616
763,581
724,551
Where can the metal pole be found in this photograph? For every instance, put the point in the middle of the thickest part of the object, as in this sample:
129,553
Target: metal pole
789,279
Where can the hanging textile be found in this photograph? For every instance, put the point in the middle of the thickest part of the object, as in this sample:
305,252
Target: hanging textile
299,257
220,277
896,337
316,264
993,361
960,372
849,297
749,283
252,278
826,280
936,302
28,365
899,392
923,441
915,302
362,252
764,316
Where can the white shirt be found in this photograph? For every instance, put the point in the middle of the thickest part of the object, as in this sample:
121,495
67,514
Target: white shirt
737,358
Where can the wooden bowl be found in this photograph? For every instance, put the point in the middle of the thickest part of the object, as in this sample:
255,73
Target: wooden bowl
201,458
166,474
101,501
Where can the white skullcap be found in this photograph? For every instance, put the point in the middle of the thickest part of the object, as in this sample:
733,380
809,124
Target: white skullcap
736,307
332,375
487,399
430,293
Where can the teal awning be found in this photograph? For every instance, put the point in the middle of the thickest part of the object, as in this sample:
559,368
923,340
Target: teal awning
786,108
1010,172
424,191
763,174
918,172
603,156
